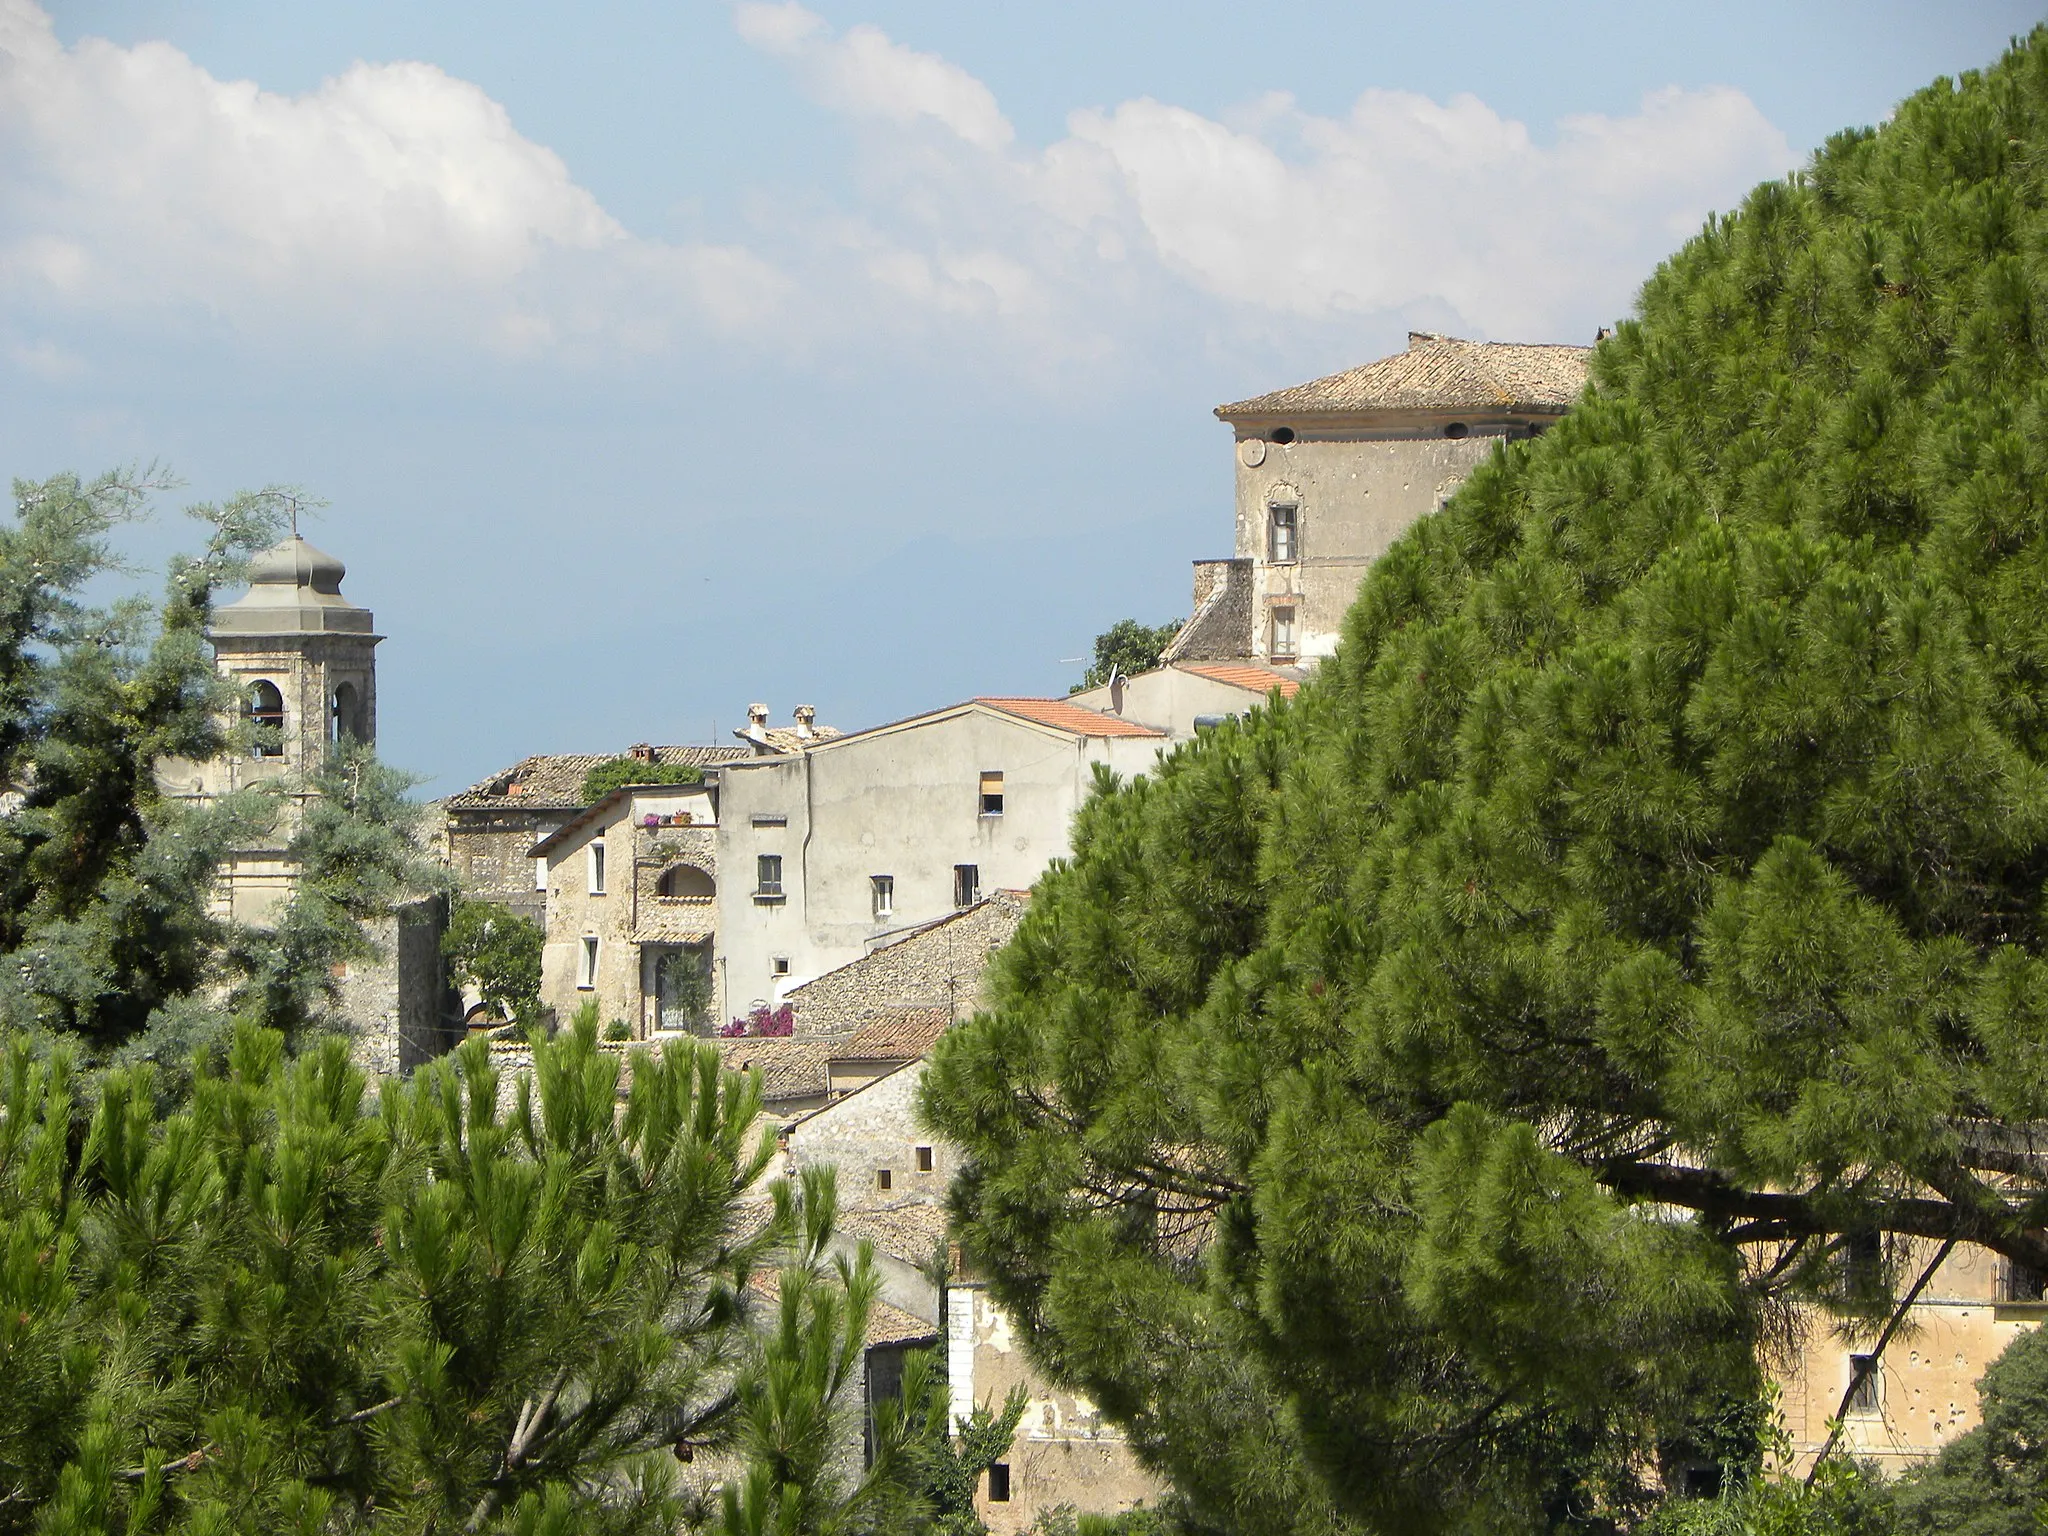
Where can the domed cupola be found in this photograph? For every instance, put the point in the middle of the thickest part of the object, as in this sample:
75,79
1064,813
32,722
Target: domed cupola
293,589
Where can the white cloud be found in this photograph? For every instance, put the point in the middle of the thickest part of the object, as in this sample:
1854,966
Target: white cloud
392,194
867,75
396,203
1408,199
1403,202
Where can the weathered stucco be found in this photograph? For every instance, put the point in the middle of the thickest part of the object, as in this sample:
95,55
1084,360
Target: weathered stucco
901,801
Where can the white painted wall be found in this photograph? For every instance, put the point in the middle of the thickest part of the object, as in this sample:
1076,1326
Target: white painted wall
900,800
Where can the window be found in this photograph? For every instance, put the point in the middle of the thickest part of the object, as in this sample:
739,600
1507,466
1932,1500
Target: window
924,1159
991,794
999,1483
597,867
2016,1282
768,875
1282,648
966,885
586,971
765,819
343,715
540,874
266,713
881,1178
1280,531
883,889
1866,1389
779,964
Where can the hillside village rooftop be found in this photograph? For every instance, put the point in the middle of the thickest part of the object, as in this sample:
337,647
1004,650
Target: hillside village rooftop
1436,373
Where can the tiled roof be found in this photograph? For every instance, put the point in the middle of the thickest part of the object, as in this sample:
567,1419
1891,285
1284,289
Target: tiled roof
785,741
893,1325
1437,373
911,1231
1259,680
554,781
896,1034
790,1067
1072,718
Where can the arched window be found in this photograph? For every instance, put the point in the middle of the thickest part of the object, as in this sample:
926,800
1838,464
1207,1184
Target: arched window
266,714
344,718
687,880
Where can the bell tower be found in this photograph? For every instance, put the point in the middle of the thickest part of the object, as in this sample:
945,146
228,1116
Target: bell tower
303,661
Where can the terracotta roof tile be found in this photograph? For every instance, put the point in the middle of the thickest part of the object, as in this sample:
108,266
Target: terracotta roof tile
791,1067
1072,718
911,1232
896,1034
1259,680
554,781
1437,373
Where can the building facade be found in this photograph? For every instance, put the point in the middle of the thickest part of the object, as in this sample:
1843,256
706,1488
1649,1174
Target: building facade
631,907
1183,696
831,852
1331,472
493,827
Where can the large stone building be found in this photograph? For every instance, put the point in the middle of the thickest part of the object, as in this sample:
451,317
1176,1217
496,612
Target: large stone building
630,905
493,827
1331,472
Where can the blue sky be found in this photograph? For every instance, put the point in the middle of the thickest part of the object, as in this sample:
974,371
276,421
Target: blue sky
656,358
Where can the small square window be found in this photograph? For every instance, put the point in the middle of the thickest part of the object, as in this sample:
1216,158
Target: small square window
991,794
768,875
966,885
1866,1394
597,868
779,964
586,973
883,889
924,1159
1280,532
2019,1283
999,1483
881,1178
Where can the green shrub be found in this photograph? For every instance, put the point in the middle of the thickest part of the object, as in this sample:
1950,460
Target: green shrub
618,772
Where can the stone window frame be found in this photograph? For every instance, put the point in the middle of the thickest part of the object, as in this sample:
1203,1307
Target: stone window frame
1276,650
882,895
1283,529
594,866
586,962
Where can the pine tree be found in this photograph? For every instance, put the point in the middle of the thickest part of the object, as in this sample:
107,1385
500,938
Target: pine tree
1409,1102
283,1308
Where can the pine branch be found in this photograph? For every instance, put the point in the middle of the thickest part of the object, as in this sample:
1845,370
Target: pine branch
370,1412
527,1426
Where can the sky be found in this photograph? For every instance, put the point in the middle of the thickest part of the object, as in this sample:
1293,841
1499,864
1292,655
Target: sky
657,358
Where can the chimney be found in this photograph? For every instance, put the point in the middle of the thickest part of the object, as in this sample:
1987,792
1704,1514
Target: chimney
806,721
640,752
757,714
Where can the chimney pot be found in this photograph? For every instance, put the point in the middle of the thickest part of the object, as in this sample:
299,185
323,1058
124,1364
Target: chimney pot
757,714
641,752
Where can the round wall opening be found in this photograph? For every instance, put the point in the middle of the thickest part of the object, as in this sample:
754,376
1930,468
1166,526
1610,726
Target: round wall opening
1457,429
1283,435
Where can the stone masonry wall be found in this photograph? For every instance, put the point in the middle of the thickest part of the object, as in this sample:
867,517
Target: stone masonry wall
944,965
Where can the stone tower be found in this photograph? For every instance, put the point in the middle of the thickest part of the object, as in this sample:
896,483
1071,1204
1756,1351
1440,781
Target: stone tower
303,659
